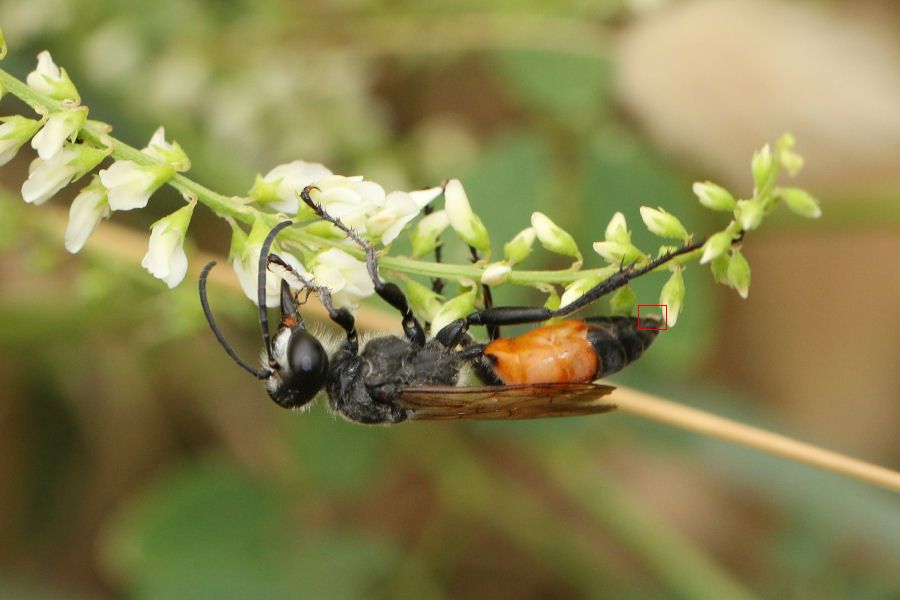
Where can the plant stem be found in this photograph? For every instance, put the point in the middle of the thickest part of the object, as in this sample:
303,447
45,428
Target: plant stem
239,209
684,417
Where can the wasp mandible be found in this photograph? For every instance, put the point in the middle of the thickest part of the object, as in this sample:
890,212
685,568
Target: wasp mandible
550,371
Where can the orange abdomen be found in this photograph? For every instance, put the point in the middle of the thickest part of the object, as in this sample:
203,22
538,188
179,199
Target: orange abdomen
559,353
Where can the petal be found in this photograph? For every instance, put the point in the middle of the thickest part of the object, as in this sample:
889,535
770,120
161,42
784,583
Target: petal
85,213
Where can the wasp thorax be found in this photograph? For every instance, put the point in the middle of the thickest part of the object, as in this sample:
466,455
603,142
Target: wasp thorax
303,368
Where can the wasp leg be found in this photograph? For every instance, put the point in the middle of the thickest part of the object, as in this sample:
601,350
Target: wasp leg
452,334
389,292
341,316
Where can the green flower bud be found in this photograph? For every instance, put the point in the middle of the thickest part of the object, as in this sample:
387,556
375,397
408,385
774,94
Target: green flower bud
169,153
749,214
517,249
617,230
623,301
763,167
553,300
553,237
496,273
577,289
617,253
672,295
264,190
663,224
801,202
2,45
714,196
455,308
738,273
717,245
425,236
463,220
425,301
719,266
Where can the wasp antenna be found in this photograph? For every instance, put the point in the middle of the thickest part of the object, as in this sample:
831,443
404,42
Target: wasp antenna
261,284
259,374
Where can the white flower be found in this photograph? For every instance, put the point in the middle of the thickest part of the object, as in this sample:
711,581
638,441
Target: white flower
170,153
58,128
245,251
463,220
46,177
51,80
346,277
388,221
424,197
130,184
14,132
87,209
350,199
281,186
165,259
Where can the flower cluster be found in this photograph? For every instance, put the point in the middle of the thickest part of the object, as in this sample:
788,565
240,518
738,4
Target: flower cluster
70,146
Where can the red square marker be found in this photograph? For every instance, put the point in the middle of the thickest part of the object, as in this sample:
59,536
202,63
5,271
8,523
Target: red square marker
665,311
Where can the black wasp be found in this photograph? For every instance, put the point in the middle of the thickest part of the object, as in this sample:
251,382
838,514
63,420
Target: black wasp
547,372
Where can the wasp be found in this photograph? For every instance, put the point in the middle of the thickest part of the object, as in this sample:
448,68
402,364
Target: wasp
550,371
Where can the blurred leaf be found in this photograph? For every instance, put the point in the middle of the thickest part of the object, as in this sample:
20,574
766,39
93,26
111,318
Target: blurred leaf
571,86
337,457
207,531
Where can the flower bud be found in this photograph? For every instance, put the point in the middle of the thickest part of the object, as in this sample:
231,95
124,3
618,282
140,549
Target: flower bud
130,185
738,273
424,300
165,258
623,301
617,230
749,214
455,308
663,224
719,267
791,161
465,222
714,196
763,167
717,245
2,45
801,202
51,80
428,230
14,132
672,295
58,128
617,253
87,209
169,153
496,273
517,249
577,289
553,237
244,256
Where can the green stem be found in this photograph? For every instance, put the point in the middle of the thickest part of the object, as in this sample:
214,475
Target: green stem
239,208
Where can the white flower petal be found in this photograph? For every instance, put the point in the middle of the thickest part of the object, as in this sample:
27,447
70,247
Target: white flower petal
85,213
46,177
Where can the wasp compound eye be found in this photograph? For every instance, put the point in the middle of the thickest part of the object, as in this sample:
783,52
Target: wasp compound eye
306,368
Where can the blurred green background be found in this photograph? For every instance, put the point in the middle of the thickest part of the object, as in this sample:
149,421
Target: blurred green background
137,461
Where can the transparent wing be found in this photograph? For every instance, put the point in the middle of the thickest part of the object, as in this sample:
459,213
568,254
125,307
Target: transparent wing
528,401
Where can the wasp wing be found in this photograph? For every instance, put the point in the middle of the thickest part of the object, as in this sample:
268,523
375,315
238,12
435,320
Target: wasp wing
525,401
